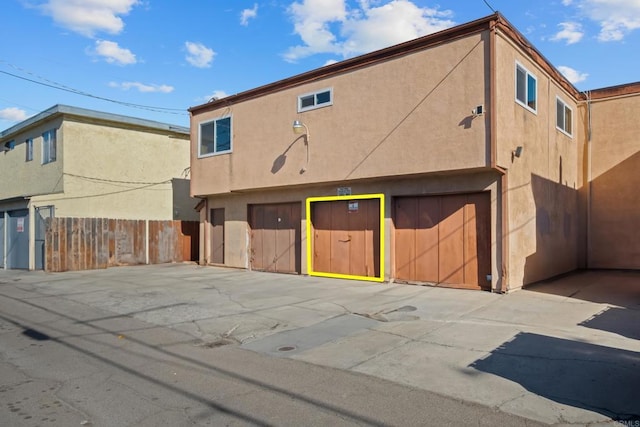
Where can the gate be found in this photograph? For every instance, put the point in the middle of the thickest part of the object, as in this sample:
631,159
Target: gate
17,255
1,239
43,213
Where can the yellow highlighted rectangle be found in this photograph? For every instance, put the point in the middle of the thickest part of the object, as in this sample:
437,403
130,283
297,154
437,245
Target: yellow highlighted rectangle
310,268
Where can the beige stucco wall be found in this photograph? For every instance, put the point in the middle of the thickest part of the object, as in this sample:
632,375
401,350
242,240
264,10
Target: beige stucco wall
614,239
112,171
408,115
543,184
237,241
22,178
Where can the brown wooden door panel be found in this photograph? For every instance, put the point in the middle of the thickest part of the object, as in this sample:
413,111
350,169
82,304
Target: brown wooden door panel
321,216
443,239
372,239
477,256
340,238
451,248
346,241
427,258
217,236
357,239
275,237
405,237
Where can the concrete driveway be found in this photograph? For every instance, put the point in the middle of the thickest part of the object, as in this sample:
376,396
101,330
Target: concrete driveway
562,352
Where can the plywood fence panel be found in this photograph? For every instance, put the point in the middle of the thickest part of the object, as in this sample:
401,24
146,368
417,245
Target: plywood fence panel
90,243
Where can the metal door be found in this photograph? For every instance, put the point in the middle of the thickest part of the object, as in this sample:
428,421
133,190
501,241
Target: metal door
43,214
18,239
1,239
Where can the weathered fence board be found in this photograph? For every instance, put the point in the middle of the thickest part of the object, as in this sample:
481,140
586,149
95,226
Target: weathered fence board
91,243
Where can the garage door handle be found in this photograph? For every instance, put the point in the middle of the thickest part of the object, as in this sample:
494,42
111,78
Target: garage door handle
344,241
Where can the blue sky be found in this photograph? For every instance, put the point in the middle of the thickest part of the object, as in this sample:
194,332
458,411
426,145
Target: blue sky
169,55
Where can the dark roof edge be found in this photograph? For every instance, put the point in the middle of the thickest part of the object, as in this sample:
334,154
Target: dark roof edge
410,46
514,34
405,48
60,109
614,91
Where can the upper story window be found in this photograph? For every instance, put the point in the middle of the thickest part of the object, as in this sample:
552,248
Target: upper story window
310,101
526,88
564,117
215,137
49,146
29,145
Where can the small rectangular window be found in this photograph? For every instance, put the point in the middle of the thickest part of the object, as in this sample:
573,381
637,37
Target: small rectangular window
526,88
564,117
215,137
49,146
310,101
29,145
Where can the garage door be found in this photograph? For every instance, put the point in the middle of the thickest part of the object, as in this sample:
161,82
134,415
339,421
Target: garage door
444,239
275,237
346,237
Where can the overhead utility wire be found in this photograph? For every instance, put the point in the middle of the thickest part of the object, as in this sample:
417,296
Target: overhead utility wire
489,6
79,92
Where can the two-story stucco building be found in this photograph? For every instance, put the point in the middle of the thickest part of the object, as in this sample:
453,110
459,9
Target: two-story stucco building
74,162
461,158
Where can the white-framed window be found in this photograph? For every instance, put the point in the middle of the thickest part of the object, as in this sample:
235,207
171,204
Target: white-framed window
313,100
29,146
526,88
49,146
214,137
564,117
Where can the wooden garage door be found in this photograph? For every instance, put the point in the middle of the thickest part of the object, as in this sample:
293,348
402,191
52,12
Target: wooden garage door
346,237
217,236
444,239
275,237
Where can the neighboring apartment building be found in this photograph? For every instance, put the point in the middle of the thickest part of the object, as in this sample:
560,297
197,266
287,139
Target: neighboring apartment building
73,162
461,158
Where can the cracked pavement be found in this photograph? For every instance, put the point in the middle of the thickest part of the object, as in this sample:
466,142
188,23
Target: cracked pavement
179,344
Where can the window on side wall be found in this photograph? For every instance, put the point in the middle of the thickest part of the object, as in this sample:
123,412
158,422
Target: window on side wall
526,88
215,137
49,146
29,145
564,117
313,100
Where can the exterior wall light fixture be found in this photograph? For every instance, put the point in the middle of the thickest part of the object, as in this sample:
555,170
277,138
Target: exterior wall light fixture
300,128
517,152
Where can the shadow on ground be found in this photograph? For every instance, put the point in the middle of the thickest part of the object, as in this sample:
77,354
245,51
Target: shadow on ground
588,376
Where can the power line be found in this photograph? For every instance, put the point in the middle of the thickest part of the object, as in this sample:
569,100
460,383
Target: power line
59,86
489,6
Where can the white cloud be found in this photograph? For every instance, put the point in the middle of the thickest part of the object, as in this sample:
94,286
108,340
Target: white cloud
572,75
328,26
247,14
112,53
571,32
141,87
616,17
199,55
13,114
88,17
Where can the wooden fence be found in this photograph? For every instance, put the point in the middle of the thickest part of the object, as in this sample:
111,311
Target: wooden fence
91,243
